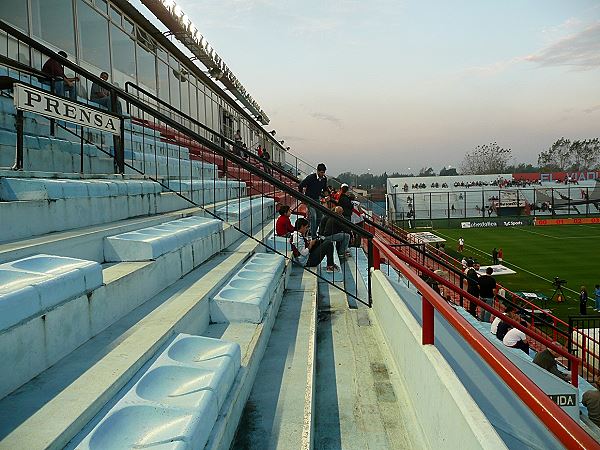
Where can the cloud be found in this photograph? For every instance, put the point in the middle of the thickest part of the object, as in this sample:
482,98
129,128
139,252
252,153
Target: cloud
592,109
491,69
581,50
328,118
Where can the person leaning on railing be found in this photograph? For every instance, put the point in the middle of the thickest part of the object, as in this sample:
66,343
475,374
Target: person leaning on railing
62,83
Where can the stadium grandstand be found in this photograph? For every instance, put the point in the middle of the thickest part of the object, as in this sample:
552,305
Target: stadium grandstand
473,196
146,302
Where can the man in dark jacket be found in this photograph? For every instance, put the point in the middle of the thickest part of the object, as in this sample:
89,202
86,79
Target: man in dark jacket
315,187
472,285
345,202
331,229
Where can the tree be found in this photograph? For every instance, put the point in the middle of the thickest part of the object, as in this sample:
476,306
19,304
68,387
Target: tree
426,172
450,171
486,159
565,155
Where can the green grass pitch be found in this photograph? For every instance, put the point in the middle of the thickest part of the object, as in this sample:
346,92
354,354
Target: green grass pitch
538,254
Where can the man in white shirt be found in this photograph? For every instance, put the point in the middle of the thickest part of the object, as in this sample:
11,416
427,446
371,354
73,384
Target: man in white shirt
494,327
515,338
461,244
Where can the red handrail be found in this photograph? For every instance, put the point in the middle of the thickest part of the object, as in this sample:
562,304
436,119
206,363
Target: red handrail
566,430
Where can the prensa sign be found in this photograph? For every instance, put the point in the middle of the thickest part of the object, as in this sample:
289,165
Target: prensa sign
41,102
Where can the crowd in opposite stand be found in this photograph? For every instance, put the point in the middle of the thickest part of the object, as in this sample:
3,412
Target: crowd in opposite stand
500,182
318,237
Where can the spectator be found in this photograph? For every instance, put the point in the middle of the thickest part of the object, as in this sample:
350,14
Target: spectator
502,327
266,157
283,226
345,202
237,143
472,286
487,292
62,83
597,297
583,298
515,338
357,218
314,186
331,229
100,95
591,400
546,359
311,253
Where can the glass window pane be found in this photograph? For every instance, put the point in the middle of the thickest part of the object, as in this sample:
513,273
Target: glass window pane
15,13
184,87
93,36
163,81
174,86
52,21
123,54
102,5
201,108
128,25
115,15
146,65
193,103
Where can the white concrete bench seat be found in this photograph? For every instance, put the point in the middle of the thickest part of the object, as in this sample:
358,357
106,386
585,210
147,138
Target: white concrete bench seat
247,213
24,189
35,284
52,154
246,296
171,166
151,242
176,401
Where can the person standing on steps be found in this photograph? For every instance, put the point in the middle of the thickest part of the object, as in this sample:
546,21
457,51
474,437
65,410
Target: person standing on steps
315,187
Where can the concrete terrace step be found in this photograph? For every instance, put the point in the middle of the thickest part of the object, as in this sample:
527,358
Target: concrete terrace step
52,409
281,416
360,403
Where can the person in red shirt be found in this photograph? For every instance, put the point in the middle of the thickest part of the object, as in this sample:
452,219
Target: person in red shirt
283,226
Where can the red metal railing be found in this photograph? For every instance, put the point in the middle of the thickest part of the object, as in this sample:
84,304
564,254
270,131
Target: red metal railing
559,326
566,430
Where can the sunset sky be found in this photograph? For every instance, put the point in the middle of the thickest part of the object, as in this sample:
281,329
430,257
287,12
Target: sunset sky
387,85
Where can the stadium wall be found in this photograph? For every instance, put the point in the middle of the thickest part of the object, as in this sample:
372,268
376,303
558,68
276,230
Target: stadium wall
449,383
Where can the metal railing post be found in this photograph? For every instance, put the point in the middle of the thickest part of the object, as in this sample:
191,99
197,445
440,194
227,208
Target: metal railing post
19,151
427,333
